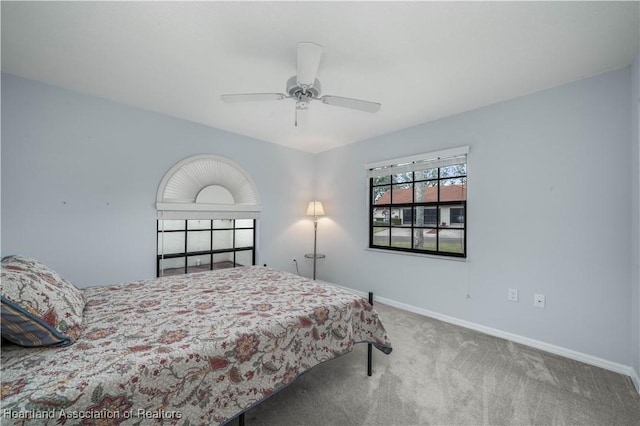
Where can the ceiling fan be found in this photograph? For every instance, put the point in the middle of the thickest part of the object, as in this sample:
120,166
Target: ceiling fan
304,87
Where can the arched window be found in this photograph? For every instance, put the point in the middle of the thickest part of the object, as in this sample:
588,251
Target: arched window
207,208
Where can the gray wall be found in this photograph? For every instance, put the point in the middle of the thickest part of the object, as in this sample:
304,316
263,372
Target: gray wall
80,175
549,212
635,214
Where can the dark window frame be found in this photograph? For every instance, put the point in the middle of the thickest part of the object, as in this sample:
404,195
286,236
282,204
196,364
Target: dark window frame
186,254
388,181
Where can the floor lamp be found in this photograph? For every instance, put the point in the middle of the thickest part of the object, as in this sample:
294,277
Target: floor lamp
315,209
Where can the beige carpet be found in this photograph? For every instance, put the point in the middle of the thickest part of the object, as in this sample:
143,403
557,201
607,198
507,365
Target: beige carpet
442,374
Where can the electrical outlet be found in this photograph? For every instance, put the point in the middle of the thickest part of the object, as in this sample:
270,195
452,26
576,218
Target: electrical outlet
513,295
539,300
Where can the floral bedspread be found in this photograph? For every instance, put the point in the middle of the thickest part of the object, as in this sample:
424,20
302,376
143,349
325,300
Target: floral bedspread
187,350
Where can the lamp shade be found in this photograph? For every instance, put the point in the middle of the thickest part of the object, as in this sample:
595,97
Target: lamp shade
315,209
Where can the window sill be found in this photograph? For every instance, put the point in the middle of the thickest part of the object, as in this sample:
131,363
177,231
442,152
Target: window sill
409,253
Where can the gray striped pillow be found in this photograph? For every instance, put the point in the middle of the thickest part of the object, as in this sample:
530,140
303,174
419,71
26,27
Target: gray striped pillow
39,307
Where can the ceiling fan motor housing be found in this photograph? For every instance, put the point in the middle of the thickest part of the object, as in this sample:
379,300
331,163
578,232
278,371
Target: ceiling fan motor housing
294,89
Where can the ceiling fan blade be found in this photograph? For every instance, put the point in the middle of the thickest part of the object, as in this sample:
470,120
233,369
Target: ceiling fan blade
308,62
351,103
250,97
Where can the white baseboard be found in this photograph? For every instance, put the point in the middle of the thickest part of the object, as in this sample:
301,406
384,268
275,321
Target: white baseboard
557,350
635,379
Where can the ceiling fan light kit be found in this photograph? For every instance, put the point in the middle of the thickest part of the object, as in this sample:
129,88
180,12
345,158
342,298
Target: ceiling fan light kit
305,87
294,87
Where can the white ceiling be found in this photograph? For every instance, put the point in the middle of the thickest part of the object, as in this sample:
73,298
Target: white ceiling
421,60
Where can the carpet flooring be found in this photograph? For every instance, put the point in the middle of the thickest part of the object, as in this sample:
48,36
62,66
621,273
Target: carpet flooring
442,374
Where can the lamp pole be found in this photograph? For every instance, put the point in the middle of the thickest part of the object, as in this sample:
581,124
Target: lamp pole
315,240
315,209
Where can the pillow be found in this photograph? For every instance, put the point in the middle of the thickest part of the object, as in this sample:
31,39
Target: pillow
39,307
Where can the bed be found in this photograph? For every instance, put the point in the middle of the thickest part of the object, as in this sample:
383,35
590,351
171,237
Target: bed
194,349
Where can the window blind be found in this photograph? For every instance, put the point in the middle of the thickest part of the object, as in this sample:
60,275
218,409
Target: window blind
209,212
429,160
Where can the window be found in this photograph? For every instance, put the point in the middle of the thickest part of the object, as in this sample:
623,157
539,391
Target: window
186,246
208,208
419,203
